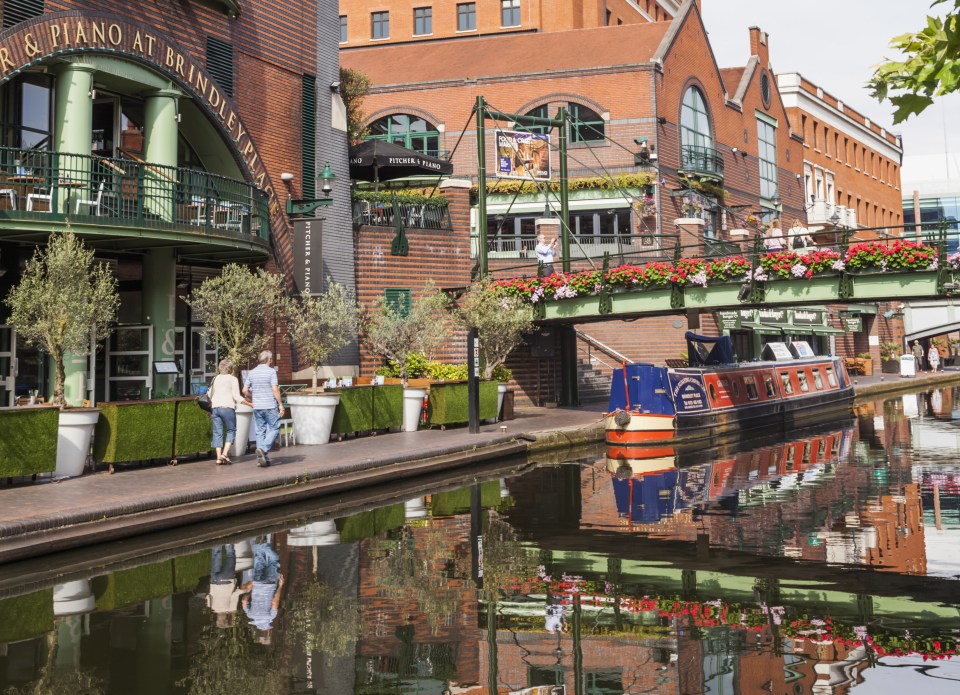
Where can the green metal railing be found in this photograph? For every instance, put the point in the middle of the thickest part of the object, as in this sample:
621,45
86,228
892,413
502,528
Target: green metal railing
388,213
701,160
128,189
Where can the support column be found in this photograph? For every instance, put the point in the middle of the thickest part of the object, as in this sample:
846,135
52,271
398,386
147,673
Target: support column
160,148
159,308
73,119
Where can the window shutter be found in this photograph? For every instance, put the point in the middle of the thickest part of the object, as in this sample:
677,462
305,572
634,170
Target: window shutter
220,63
16,11
399,300
308,136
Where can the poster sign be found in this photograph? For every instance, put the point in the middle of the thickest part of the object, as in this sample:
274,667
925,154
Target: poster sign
775,316
689,396
307,264
852,324
807,317
727,320
523,156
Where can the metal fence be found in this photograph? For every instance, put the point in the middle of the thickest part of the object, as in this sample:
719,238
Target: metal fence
411,214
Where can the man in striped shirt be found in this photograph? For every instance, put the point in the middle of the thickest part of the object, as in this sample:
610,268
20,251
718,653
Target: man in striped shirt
262,388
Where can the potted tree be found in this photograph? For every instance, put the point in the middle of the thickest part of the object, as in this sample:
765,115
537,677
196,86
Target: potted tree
501,322
239,307
318,326
63,297
395,332
890,357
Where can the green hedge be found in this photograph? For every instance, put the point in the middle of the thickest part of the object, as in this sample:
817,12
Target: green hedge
372,523
125,587
189,569
194,428
366,408
448,403
23,617
458,501
28,441
135,431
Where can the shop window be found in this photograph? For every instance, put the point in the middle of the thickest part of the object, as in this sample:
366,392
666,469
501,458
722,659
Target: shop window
16,11
787,384
750,385
467,16
407,131
804,384
817,380
831,377
220,63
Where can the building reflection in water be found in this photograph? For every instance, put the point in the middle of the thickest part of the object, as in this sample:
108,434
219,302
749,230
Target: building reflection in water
796,565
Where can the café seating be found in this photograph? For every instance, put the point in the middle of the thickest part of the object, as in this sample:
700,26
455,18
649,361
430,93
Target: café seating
93,203
44,195
10,195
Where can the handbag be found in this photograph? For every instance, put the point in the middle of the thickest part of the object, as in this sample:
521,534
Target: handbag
204,401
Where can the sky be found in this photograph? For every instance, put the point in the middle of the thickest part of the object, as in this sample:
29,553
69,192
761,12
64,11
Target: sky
836,44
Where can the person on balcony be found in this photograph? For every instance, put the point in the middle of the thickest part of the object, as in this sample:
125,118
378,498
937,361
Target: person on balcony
800,239
546,253
773,238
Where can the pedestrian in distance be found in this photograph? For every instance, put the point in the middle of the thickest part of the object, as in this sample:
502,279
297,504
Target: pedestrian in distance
917,350
933,357
800,239
261,599
546,253
224,595
262,387
224,397
773,238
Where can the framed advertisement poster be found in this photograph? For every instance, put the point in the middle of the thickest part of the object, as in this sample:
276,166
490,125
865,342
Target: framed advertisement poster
523,156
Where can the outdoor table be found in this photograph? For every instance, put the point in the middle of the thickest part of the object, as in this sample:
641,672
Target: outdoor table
24,184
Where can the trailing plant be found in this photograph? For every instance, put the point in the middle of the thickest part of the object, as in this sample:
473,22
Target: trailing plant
607,183
239,307
790,264
895,255
500,319
62,299
322,324
730,268
407,198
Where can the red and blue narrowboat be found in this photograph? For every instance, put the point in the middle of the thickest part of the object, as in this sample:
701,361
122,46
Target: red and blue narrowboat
716,395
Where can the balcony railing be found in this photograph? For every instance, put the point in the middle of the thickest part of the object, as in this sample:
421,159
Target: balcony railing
388,212
820,211
127,190
702,161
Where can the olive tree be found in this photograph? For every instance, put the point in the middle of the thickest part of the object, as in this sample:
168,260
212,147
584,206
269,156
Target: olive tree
500,320
240,307
63,296
393,332
320,325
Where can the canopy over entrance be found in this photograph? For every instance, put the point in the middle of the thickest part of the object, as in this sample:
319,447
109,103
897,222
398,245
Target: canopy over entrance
379,160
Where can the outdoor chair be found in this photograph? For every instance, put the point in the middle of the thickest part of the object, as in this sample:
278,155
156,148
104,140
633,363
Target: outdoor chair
93,203
11,195
45,195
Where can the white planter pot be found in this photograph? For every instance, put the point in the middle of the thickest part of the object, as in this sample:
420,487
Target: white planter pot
415,509
73,440
501,389
244,554
73,597
244,425
412,406
313,416
316,534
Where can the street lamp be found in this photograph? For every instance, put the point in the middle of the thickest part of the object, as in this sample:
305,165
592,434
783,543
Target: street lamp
304,206
835,218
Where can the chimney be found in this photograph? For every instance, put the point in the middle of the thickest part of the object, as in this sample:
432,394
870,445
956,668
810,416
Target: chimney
759,45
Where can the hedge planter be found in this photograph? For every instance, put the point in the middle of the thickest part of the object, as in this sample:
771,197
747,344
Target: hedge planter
135,431
27,616
368,408
28,440
412,406
449,403
194,429
75,429
313,415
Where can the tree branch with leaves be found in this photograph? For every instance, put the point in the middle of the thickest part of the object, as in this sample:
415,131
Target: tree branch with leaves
501,322
354,87
62,299
320,325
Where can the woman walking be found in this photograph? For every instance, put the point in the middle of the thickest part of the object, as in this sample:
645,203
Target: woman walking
224,396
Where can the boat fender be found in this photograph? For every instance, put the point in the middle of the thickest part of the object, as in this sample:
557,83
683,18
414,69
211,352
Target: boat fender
622,418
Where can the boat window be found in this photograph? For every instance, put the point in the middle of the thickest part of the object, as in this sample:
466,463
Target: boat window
791,455
817,380
736,388
821,449
713,392
787,384
768,384
835,446
750,384
802,378
831,378
807,447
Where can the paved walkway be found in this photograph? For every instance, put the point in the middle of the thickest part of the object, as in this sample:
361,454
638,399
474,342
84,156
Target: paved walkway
42,517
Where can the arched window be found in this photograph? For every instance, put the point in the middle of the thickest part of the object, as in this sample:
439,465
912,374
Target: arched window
694,120
586,125
407,131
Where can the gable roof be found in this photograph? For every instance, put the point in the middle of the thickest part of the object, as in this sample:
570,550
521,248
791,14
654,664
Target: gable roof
507,54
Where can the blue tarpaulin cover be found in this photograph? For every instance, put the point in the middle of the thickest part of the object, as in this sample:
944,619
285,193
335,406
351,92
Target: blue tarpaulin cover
649,389
720,353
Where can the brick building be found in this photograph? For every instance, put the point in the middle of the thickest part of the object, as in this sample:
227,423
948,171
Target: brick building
658,132
158,133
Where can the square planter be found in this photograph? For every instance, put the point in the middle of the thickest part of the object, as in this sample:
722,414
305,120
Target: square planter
825,288
28,440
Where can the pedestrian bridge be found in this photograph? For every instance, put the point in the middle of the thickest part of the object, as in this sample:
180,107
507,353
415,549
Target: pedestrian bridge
926,317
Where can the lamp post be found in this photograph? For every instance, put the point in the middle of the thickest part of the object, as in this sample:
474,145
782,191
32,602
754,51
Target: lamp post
304,206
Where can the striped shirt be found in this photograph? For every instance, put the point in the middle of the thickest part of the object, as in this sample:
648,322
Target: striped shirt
261,381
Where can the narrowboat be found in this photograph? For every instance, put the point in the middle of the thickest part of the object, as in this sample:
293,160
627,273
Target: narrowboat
717,396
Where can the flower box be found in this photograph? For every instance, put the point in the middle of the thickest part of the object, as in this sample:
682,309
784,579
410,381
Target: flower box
643,300
719,294
911,283
826,288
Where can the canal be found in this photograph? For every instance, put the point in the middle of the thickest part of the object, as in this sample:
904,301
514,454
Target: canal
825,561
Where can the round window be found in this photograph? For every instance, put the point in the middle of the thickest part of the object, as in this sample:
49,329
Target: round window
765,89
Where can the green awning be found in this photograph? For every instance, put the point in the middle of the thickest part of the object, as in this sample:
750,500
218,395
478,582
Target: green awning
772,329
763,328
827,330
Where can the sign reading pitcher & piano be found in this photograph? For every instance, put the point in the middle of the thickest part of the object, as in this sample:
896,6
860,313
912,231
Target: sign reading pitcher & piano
523,155
307,261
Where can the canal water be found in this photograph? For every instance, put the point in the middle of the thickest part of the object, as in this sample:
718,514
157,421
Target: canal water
821,561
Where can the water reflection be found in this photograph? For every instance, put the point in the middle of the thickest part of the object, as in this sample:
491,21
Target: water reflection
822,561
